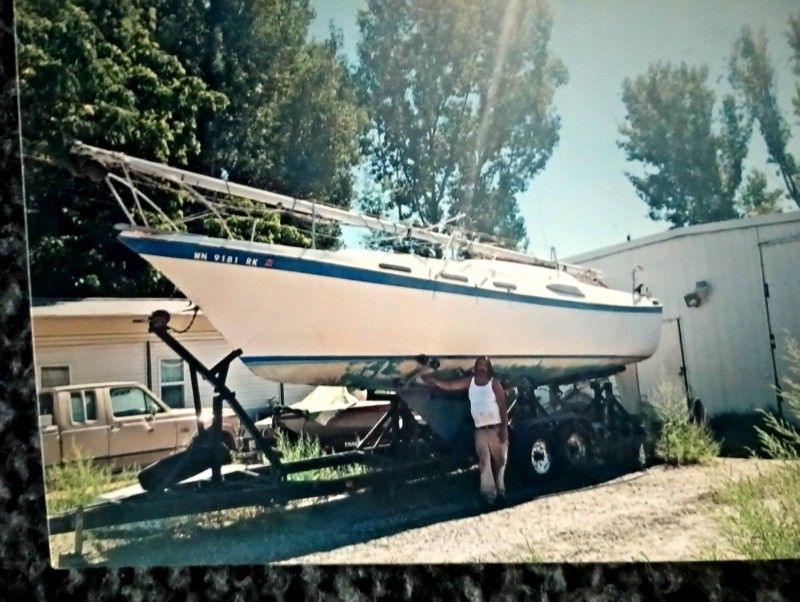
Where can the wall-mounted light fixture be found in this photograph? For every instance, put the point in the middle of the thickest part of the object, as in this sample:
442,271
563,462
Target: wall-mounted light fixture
698,296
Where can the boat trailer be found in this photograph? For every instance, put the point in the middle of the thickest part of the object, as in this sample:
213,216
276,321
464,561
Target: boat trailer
398,449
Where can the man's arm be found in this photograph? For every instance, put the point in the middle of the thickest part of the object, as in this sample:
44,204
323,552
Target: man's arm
460,384
500,396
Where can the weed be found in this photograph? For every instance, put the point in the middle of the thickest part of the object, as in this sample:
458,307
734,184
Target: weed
680,439
79,482
304,447
762,520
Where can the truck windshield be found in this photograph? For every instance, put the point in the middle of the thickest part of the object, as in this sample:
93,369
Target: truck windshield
132,401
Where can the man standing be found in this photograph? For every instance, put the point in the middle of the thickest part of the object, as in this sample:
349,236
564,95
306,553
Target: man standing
489,411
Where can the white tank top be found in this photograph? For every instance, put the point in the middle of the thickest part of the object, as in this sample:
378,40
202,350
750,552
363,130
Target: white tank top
483,404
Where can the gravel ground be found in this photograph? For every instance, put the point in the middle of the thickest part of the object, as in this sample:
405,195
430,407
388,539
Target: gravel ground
656,515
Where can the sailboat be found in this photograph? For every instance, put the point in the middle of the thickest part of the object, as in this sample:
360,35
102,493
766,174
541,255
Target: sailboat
373,319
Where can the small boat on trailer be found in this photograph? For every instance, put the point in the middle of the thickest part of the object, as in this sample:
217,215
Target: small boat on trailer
364,318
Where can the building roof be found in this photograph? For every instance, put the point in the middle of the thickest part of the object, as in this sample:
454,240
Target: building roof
732,224
106,306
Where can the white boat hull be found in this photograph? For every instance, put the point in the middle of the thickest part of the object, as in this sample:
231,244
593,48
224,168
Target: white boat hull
338,318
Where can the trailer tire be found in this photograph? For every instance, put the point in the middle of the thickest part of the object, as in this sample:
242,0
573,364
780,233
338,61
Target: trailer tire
537,461
574,450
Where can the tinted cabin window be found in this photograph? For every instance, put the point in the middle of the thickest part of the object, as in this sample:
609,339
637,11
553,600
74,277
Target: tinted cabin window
509,286
566,289
395,267
83,406
129,401
76,402
456,277
90,406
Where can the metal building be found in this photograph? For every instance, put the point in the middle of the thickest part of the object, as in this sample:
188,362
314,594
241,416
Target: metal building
731,296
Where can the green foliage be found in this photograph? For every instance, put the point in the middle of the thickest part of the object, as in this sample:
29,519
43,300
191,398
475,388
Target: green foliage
680,439
293,122
460,99
220,84
756,199
304,447
691,168
794,44
262,227
780,438
753,77
78,483
765,518
93,71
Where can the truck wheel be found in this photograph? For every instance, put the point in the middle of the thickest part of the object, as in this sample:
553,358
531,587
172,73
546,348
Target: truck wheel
574,450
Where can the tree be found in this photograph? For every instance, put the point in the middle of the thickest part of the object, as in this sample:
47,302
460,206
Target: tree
92,70
213,84
794,43
691,172
293,121
756,199
460,99
752,76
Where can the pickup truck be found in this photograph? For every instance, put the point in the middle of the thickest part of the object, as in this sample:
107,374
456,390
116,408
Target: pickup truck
123,424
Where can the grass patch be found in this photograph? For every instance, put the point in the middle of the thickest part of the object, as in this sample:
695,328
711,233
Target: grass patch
74,484
680,440
304,447
762,517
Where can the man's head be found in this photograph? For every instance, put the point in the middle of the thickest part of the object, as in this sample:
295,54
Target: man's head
483,366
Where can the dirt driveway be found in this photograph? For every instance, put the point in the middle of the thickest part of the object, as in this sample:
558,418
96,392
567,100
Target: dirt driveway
658,514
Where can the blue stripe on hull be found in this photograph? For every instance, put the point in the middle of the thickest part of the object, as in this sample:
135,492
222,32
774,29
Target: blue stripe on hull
192,251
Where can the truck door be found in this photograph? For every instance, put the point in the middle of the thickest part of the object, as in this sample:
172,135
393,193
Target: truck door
84,428
134,434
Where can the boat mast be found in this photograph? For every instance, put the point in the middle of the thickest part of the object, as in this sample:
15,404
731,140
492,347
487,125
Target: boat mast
313,209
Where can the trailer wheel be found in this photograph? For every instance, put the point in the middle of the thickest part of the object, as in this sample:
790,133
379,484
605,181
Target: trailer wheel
540,460
574,450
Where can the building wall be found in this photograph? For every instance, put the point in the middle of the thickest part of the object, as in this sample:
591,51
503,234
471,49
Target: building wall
115,348
726,340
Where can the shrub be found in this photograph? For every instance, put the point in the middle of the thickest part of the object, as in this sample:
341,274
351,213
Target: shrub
764,517
79,482
680,439
781,439
304,447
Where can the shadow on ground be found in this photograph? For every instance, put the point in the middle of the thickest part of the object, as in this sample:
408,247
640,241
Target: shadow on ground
262,535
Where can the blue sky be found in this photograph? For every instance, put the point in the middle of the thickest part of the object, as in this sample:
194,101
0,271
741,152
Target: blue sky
582,199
